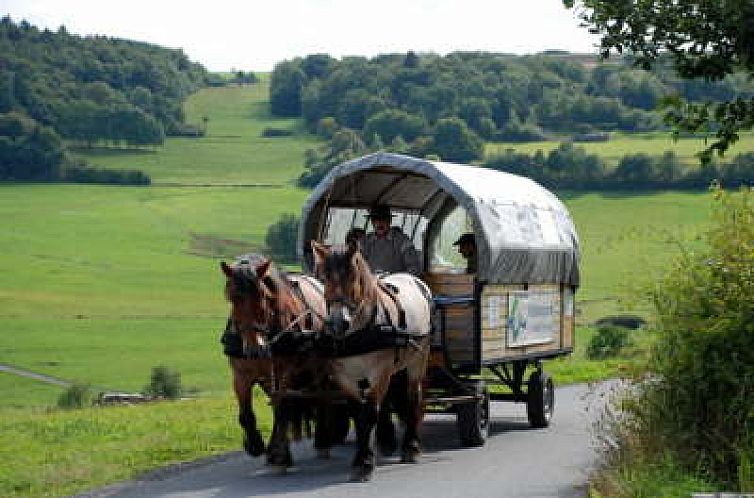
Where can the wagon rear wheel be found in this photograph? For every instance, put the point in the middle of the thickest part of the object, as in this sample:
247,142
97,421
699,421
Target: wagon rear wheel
474,418
540,400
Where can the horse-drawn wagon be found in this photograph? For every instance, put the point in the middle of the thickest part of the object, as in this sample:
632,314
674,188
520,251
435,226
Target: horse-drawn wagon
494,325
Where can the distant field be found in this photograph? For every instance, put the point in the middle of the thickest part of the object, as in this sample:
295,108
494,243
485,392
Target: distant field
628,239
102,283
621,144
233,151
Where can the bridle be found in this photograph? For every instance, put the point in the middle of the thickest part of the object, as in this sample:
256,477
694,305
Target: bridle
273,331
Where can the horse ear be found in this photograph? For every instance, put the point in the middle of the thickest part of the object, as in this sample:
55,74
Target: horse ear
264,268
320,252
353,248
227,270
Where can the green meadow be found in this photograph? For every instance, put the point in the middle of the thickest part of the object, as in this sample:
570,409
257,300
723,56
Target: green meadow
233,150
622,144
98,284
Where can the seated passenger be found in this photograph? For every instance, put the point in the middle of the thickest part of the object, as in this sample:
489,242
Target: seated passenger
467,248
387,249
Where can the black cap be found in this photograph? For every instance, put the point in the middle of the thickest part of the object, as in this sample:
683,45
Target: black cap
380,212
465,238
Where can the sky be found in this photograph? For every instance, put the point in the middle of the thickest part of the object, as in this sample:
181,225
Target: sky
254,35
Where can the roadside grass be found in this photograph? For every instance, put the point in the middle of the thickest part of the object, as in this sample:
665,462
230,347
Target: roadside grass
621,144
21,392
119,354
578,368
58,453
659,477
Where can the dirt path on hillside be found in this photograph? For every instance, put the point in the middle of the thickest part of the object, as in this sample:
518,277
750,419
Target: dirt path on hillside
34,375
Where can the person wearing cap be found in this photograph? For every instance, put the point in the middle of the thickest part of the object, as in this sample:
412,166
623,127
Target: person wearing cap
387,249
467,248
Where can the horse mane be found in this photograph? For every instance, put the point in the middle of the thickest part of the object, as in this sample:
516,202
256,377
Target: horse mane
276,278
365,278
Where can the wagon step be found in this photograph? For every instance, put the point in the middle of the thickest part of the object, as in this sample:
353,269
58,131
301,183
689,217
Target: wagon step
463,398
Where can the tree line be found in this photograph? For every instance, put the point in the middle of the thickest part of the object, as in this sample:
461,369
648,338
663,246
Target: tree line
570,166
58,89
494,97
94,89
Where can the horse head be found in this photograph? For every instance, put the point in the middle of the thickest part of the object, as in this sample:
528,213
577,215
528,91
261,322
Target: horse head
251,290
350,289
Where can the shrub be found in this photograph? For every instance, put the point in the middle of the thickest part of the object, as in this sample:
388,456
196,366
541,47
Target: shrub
281,237
164,383
607,342
697,402
187,130
75,396
276,132
80,173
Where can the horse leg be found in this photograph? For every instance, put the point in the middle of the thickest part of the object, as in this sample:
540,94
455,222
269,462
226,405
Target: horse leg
242,385
385,431
323,438
413,409
363,462
279,452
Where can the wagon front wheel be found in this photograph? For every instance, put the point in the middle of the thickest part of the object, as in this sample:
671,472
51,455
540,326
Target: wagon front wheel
474,418
540,400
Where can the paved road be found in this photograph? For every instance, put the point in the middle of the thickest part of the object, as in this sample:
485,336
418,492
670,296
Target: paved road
516,462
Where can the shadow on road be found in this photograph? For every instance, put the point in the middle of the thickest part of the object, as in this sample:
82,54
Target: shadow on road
242,476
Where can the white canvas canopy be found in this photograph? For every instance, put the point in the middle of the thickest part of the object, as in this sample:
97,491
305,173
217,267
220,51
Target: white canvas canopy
523,233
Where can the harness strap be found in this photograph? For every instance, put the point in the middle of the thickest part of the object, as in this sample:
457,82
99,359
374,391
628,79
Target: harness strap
392,291
310,311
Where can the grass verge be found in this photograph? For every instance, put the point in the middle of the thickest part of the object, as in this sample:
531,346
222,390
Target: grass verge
58,453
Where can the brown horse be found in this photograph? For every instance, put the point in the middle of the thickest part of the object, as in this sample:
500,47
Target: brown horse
367,316
268,310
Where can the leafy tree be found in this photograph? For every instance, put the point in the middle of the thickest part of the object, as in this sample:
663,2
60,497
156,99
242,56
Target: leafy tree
317,65
164,383
391,123
344,145
28,151
707,39
454,141
286,85
634,169
281,237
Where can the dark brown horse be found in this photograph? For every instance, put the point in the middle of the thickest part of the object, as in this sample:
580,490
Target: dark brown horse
268,310
372,314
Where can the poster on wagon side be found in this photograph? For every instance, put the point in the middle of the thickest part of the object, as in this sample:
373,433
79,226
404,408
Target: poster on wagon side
531,318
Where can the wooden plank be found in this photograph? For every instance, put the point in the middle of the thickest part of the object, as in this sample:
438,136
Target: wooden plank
567,334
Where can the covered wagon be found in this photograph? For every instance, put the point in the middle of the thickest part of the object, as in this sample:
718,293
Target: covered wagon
495,324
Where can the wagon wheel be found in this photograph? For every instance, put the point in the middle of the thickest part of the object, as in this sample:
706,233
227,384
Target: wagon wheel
540,401
474,418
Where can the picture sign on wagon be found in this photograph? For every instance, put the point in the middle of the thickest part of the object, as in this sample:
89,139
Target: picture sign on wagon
532,318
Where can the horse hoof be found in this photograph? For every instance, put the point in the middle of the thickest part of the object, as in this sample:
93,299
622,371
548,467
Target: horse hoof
254,448
323,453
385,436
410,457
361,475
278,469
